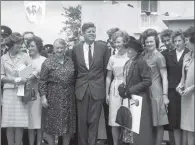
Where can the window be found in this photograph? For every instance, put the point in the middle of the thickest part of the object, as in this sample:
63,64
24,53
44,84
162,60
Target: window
152,8
149,6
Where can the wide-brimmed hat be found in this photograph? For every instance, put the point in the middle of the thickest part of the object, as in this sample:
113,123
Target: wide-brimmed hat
135,45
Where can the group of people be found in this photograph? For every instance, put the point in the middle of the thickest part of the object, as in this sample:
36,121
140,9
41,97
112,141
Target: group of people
73,85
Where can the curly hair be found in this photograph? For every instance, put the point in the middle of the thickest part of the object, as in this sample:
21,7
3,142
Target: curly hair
147,33
38,42
189,32
111,31
60,41
86,26
177,33
15,37
122,34
166,33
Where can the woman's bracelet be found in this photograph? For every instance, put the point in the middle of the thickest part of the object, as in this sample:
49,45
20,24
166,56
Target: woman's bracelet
164,94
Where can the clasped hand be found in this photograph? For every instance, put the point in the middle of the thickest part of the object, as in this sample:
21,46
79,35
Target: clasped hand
19,81
123,92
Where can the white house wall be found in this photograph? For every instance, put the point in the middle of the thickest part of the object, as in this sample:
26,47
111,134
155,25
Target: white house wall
106,16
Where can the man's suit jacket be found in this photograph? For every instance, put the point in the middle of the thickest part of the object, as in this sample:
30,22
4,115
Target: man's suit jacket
69,53
174,67
94,77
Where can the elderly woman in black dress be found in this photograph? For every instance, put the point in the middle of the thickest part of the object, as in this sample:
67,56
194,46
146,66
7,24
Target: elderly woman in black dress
137,75
56,87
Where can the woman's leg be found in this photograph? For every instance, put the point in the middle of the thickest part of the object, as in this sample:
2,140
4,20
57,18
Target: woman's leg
160,134
50,138
190,138
115,134
184,137
18,136
177,136
31,136
66,139
39,136
10,135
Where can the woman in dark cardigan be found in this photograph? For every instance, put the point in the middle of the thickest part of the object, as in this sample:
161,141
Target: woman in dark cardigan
138,81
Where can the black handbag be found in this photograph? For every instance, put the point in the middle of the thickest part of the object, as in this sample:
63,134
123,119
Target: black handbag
29,93
124,119
124,116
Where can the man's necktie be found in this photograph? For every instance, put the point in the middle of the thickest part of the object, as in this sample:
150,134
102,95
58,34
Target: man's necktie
90,56
114,51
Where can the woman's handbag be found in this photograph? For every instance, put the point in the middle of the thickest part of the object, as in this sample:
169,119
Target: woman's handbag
124,116
29,93
124,119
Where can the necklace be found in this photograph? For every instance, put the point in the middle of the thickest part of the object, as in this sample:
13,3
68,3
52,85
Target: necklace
11,56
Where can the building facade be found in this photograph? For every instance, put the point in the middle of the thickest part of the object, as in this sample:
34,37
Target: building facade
136,19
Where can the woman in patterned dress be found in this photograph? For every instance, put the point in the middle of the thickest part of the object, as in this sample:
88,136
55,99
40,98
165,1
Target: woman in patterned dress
159,87
186,89
14,111
35,46
115,67
56,88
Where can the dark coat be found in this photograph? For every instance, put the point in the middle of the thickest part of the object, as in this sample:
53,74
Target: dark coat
174,67
138,83
95,76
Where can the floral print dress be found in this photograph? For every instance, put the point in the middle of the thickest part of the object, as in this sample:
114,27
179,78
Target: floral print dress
57,83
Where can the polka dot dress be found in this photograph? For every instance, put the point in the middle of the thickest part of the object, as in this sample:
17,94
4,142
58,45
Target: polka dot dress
57,83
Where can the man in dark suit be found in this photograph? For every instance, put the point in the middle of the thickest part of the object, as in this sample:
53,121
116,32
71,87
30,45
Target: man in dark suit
90,59
166,39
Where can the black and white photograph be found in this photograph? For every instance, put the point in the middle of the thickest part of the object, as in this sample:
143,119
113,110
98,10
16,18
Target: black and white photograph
97,72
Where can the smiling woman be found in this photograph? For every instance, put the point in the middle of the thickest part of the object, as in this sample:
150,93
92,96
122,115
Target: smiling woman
56,88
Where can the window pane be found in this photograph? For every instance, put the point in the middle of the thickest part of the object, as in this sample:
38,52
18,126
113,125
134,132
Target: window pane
145,5
153,6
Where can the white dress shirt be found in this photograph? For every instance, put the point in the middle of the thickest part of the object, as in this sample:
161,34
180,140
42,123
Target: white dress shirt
86,51
179,54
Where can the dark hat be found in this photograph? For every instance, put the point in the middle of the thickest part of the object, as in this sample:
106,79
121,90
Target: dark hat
48,48
14,37
131,38
136,45
5,31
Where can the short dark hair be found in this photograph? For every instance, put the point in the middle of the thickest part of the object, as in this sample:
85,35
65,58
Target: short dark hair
166,33
147,33
189,32
177,33
86,26
38,41
15,37
28,32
